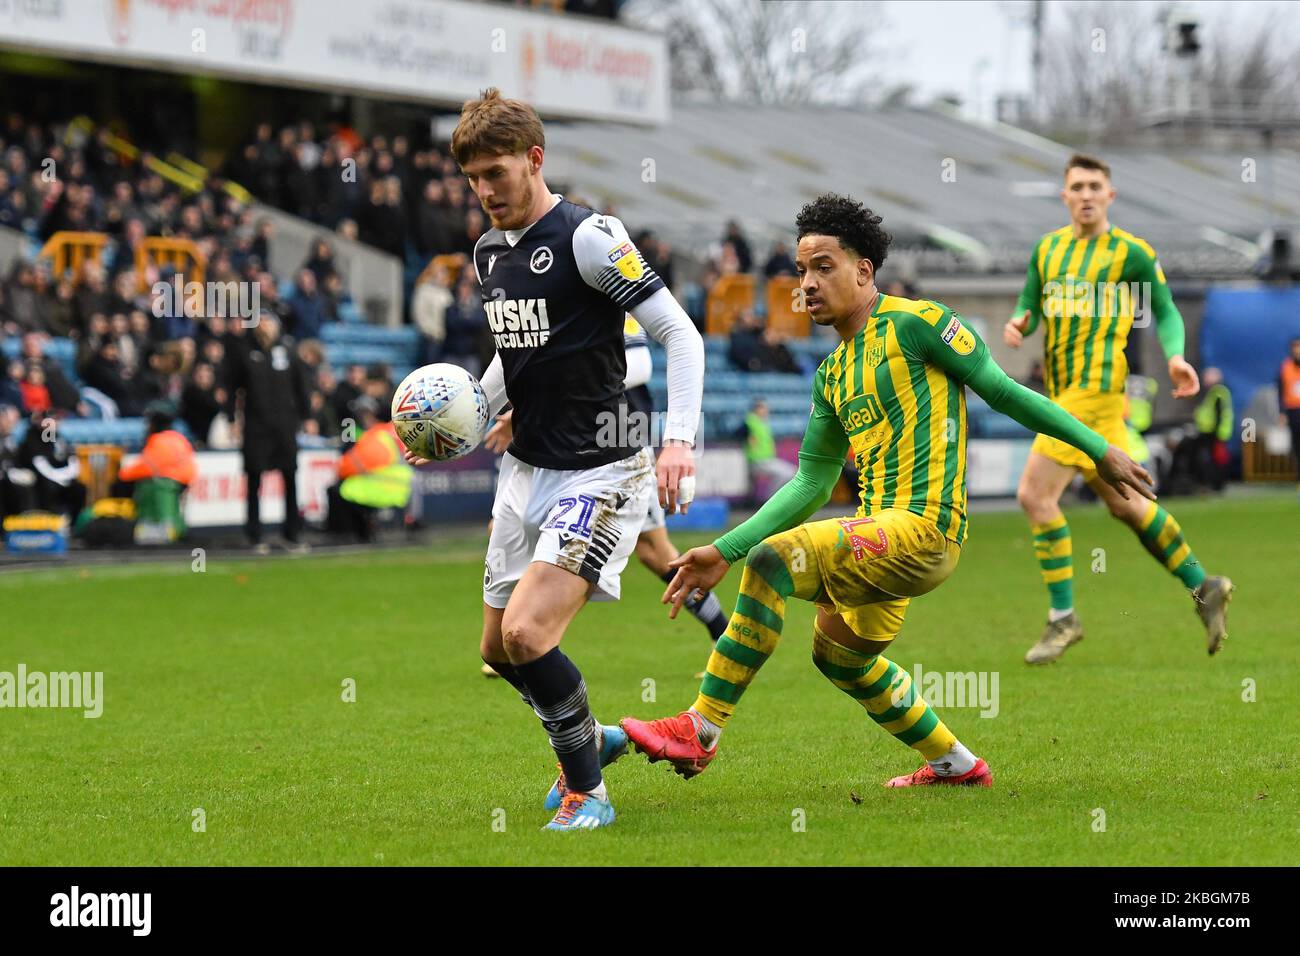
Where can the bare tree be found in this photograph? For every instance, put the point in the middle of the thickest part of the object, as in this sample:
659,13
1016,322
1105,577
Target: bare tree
770,53
1107,73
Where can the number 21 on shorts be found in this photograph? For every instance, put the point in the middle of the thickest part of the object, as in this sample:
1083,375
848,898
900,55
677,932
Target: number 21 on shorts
559,518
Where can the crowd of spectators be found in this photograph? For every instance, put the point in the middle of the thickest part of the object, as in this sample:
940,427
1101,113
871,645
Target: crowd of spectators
132,349
134,343
410,202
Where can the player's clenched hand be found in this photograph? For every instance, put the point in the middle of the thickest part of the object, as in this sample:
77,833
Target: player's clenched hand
1186,382
1122,472
1013,333
501,434
698,569
676,462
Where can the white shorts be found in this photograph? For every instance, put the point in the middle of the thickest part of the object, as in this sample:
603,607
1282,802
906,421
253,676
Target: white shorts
586,522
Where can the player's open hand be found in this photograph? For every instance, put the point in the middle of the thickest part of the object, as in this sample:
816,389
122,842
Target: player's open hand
1013,333
501,434
676,462
1121,472
1186,382
699,569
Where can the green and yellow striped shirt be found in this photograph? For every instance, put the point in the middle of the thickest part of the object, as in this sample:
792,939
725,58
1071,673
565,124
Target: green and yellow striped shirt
1087,294
896,391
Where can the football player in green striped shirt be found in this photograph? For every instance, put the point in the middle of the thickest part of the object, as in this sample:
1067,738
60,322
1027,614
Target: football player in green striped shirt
1086,284
893,393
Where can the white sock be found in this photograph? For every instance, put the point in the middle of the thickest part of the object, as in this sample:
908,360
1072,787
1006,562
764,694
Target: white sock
599,791
955,762
1055,614
705,729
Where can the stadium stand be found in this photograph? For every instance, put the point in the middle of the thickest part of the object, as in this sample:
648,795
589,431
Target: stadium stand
409,200
767,161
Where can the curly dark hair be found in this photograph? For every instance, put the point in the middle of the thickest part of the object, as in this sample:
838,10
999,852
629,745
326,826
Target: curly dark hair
853,224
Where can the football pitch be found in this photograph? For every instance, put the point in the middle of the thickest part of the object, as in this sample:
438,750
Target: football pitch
228,736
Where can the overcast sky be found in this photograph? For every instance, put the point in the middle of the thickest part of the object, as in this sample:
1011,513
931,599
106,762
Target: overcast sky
958,36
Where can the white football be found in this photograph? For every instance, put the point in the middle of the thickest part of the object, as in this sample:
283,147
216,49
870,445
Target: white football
440,412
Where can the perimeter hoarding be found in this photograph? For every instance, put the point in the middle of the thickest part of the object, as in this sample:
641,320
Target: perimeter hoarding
435,51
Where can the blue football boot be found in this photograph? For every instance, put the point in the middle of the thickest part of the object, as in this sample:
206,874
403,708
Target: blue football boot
613,744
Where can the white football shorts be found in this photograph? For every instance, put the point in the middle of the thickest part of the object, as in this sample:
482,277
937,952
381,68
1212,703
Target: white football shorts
584,521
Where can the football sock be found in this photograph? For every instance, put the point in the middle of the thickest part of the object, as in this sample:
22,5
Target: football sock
1162,536
1059,613
955,762
706,730
755,627
707,610
511,676
559,696
1053,550
887,693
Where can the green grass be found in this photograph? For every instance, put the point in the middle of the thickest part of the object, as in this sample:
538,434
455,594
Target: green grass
223,692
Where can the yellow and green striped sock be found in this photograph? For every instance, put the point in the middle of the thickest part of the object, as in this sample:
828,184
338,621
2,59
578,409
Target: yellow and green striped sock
1162,536
888,694
1053,550
781,566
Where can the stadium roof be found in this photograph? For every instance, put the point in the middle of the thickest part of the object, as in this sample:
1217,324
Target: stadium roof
759,164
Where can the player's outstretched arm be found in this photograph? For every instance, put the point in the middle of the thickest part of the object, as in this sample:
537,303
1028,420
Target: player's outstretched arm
953,346
1040,414
821,460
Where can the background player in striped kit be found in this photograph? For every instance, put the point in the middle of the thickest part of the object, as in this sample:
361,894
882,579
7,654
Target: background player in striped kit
1086,283
892,392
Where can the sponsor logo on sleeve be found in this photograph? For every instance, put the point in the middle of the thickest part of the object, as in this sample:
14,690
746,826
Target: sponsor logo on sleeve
626,260
958,337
